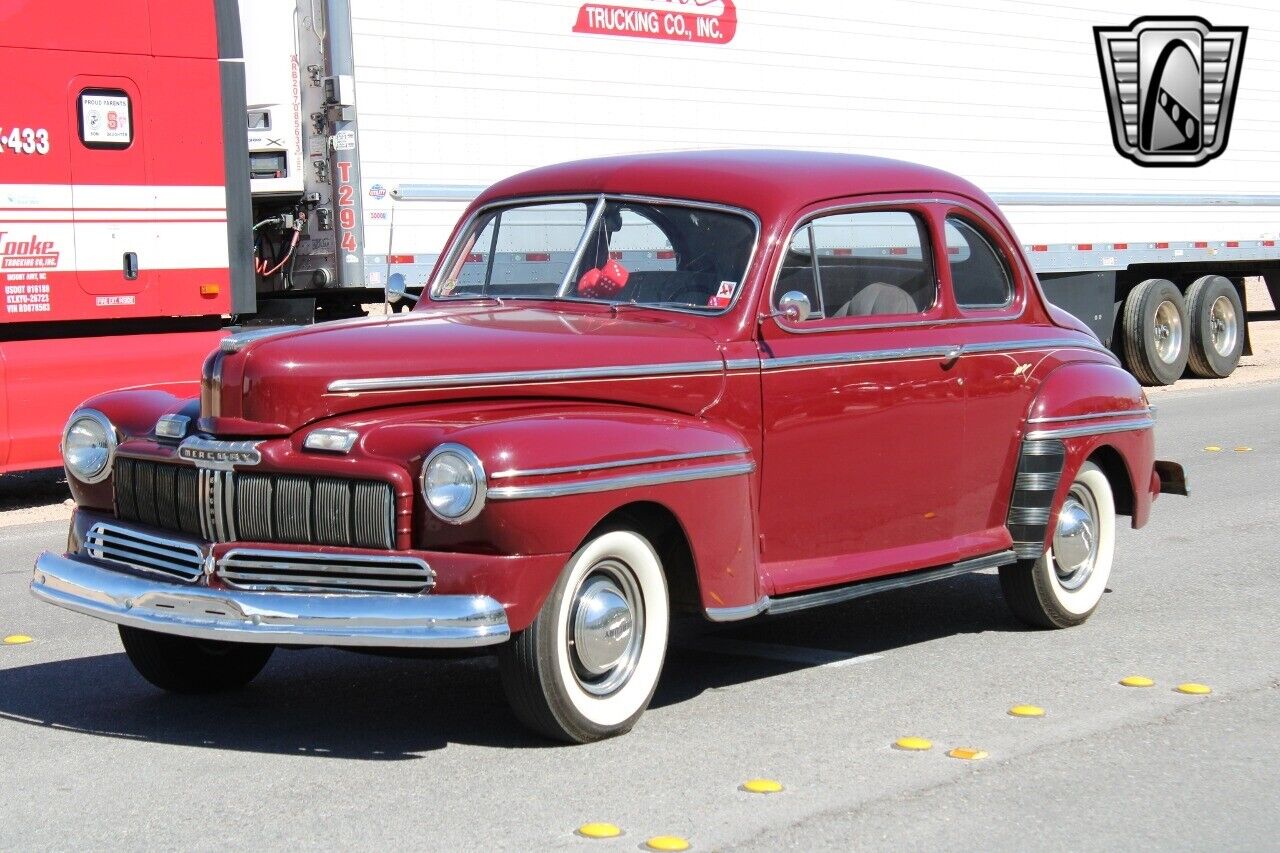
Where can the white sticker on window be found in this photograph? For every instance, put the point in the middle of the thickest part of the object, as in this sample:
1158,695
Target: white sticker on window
104,119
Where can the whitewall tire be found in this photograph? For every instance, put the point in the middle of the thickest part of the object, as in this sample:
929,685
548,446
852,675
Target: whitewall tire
587,667
1064,586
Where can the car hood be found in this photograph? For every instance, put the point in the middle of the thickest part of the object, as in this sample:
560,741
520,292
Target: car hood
282,382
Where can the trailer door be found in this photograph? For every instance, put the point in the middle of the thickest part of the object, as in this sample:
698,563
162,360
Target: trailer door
113,203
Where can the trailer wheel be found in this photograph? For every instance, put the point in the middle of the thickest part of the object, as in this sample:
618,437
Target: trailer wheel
1217,326
1155,335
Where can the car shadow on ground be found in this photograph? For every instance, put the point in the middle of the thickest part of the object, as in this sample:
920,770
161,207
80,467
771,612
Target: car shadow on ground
336,704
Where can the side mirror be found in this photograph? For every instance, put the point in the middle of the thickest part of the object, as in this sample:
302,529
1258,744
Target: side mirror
396,289
793,306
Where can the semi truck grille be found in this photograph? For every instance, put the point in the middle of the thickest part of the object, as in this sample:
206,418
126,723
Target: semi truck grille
184,560
229,506
284,571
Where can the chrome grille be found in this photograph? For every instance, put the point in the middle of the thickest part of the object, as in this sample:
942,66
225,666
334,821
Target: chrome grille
287,571
231,506
171,557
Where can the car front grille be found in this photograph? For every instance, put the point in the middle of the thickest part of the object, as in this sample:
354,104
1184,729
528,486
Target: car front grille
287,571
231,506
184,560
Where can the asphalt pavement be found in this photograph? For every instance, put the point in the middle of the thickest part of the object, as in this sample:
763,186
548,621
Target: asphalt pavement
330,749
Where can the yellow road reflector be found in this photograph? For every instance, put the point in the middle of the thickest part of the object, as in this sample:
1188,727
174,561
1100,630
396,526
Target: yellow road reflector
1243,449
913,744
1213,448
667,842
1136,681
762,786
1193,689
1026,711
599,830
16,639
968,753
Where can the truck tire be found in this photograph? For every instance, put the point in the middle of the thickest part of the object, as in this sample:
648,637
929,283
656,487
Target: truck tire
187,665
588,665
1064,586
1217,326
1154,332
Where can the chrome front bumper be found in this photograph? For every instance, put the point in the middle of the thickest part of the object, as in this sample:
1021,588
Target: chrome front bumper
93,587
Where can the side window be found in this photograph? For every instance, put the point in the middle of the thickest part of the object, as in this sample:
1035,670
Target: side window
860,265
979,274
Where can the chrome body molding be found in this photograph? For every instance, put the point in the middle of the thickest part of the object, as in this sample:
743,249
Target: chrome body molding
93,588
1040,465
1131,413
743,364
577,374
1090,429
836,595
620,463
237,341
625,481
733,614
941,351
218,455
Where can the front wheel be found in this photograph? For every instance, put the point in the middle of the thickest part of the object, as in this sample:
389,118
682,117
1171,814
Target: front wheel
588,665
186,665
1064,586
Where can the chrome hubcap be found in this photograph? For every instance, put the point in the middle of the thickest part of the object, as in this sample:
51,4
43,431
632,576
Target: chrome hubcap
606,626
1223,325
1075,539
1168,332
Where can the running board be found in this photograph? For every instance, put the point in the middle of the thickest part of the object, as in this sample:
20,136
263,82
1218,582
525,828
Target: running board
823,597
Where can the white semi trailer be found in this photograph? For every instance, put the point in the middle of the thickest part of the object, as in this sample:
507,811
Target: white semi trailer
371,123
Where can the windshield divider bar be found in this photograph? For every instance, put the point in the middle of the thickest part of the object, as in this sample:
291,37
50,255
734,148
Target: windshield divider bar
587,234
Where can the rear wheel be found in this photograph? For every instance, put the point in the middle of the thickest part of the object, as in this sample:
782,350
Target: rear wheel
1217,326
588,665
1155,338
1064,586
186,665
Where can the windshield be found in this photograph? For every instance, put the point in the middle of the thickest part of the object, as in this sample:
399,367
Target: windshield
604,250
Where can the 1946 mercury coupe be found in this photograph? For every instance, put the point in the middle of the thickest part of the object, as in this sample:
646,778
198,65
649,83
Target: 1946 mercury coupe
722,383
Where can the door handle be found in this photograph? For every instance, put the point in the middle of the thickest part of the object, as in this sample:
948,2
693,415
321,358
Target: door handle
130,265
951,356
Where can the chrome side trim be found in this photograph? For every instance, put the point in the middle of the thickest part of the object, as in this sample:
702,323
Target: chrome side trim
628,481
457,380
733,614
742,364
237,341
87,586
835,595
1089,429
863,356
1063,418
621,463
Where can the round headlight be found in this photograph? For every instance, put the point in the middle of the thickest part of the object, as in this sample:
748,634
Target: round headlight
453,483
89,445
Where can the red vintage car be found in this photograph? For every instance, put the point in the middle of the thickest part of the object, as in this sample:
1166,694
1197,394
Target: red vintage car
720,383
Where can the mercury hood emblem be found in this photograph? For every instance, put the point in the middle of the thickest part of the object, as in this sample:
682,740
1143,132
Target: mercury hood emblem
1171,85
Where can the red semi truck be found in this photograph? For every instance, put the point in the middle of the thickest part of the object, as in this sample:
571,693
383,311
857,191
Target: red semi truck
171,169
